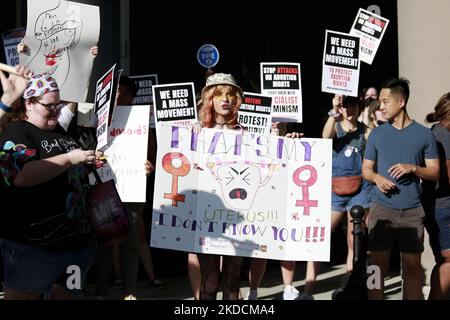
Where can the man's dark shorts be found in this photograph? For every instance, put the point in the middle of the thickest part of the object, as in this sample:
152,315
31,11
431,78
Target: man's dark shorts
388,226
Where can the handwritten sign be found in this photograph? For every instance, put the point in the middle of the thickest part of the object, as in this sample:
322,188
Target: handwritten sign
127,152
59,37
236,193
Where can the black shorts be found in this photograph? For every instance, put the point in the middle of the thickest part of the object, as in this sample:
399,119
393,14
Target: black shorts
388,226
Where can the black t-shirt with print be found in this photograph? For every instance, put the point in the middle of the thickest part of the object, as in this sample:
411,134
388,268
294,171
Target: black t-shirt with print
50,215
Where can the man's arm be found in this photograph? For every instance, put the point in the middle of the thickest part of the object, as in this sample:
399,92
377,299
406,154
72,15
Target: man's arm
382,183
429,172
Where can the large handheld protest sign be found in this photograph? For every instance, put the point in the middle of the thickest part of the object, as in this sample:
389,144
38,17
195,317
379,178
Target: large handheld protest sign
174,103
370,28
238,193
104,105
340,73
144,94
255,113
11,39
59,37
127,151
282,82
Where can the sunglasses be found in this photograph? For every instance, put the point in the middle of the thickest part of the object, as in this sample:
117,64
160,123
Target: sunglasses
52,106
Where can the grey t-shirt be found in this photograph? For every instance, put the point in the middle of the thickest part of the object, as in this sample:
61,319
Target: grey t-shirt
388,146
442,136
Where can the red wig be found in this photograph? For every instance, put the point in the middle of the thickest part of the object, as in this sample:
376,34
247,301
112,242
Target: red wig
207,114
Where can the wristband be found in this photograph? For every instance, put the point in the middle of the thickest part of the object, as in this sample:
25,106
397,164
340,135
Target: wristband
334,114
4,107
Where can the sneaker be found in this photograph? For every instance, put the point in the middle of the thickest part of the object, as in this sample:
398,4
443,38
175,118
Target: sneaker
157,284
118,283
304,296
252,295
130,297
290,293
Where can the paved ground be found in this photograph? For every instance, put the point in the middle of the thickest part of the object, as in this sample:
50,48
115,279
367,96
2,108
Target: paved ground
178,287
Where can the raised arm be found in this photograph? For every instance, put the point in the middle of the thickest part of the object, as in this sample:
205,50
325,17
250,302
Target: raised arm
13,88
329,129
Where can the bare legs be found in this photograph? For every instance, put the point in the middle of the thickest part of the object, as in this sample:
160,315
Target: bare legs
255,275
194,274
440,278
210,270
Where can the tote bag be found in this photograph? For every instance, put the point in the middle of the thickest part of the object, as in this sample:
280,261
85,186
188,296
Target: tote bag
109,219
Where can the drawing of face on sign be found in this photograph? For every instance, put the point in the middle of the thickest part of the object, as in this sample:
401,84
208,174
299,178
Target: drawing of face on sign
59,32
240,180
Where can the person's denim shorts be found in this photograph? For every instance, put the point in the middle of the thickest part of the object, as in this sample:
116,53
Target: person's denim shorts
345,203
30,269
442,216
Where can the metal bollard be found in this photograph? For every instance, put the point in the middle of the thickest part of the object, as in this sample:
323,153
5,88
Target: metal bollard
359,261
356,288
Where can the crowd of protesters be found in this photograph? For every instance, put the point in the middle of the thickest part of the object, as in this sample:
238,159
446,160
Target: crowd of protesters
373,138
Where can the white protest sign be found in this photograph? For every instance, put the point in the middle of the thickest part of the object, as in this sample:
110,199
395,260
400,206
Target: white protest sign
59,37
237,193
127,152
282,82
255,113
11,39
370,28
340,73
104,106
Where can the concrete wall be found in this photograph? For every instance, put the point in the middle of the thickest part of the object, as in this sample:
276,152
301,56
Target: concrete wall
424,59
424,52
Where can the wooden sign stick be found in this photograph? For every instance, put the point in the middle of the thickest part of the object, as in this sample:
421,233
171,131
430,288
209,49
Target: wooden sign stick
9,69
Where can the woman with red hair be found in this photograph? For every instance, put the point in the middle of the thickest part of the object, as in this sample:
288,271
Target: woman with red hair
220,101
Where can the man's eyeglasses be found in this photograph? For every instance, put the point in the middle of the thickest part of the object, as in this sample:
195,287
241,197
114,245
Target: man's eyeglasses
52,106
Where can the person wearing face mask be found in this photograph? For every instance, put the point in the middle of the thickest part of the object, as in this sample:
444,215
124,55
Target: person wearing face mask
376,117
367,95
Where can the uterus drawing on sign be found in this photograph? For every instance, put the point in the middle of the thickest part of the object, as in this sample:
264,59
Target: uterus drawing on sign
240,180
58,31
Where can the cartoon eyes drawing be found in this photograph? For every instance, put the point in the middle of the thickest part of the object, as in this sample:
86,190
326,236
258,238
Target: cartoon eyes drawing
235,173
230,178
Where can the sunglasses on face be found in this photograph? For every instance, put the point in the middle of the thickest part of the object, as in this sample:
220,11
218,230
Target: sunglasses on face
52,106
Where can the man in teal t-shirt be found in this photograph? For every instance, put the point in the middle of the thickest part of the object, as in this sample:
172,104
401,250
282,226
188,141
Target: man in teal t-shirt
398,154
